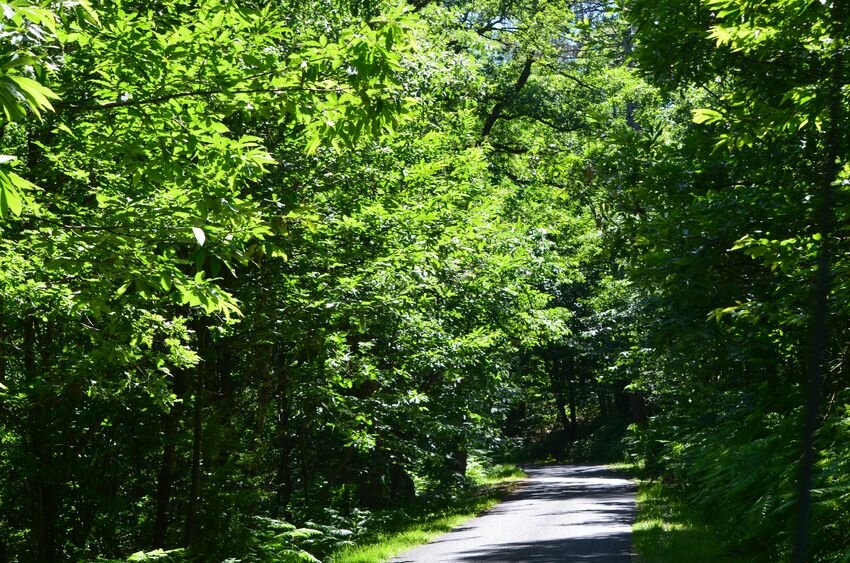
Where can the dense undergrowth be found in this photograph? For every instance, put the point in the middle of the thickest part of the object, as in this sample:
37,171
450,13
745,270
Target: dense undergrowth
486,485
669,530
365,536
736,473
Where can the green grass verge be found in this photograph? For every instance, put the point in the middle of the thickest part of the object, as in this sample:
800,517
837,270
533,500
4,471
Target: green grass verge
667,530
494,484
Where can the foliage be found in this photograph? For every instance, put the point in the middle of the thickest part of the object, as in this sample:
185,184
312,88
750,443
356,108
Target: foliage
732,178
282,262
438,513
666,530
266,267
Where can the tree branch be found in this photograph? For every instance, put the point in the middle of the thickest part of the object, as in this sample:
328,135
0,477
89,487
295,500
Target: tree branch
501,104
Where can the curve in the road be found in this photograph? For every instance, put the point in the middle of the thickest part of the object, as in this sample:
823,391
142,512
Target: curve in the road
561,513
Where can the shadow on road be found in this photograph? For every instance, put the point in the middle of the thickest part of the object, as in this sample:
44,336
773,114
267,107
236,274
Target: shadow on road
604,548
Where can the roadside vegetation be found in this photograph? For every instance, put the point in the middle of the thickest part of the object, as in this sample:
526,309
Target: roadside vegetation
667,530
487,485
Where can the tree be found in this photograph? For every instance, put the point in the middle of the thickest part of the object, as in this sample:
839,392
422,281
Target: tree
763,85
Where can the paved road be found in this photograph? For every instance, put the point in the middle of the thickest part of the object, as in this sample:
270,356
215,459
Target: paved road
561,513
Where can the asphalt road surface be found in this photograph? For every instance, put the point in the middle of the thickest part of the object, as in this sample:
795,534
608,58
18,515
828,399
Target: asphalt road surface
560,513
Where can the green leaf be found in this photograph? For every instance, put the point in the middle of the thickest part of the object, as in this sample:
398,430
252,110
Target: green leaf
10,197
123,289
200,236
18,61
37,96
313,143
706,116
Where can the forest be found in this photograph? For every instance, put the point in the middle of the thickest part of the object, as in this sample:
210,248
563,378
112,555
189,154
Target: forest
275,274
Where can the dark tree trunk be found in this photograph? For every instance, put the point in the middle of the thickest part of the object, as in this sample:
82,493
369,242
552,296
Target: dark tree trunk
191,529
631,106
342,477
402,489
284,448
165,480
263,370
500,106
29,348
4,347
284,480
305,470
460,460
373,490
637,405
224,369
603,401
621,400
824,224
46,509
46,516
571,388
459,456
46,522
557,374
4,557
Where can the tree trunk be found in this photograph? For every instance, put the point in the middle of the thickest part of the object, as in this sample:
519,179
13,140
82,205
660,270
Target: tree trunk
44,492
263,368
602,394
459,456
557,376
305,470
190,532
571,388
165,479
499,107
284,447
637,405
402,489
4,347
824,224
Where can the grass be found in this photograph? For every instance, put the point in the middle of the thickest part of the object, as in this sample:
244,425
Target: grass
499,475
493,484
667,530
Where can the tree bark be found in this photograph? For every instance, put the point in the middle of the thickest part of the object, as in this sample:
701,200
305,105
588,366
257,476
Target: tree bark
571,393
824,223
44,491
165,480
557,376
402,488
4,346
497,110
284,447
191,529
637,405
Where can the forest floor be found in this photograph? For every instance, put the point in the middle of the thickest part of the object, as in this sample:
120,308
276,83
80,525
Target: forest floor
560,513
